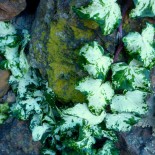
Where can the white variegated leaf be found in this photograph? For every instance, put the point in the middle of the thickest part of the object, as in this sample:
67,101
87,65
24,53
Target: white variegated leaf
48,152
97,64
144,8
27,80
121,122
68,123
6,29
142,45
106,13
85,114
132,101
38,131
108,149
130,77
98,94
24,108
84,142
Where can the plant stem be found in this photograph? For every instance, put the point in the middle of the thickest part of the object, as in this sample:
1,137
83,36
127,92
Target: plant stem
120,31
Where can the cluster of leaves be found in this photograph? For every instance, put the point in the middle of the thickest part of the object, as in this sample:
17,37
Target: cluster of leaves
107,13
144,8
81,127
33,95
113,105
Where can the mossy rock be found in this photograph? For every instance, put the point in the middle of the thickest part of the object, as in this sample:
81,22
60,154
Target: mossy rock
57,34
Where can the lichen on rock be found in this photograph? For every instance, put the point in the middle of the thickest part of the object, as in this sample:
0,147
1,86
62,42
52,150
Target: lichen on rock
57,34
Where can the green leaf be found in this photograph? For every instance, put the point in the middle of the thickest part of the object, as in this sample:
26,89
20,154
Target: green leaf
108,149
121,122
4,112
144,8
142,45
97,64
130,77
106,13
98,94
132,101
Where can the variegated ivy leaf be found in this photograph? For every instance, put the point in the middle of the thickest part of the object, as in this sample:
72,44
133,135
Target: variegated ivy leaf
9,45
84,125
67,124
23,63
24,108
99,133
12,48
46,151
108,149
121,122
130,77
28,80
97,64
6,29
87,138
132,101
144,8
85,114
73,117
4,110
42,124
142,45
84,142
106,13
98,94
38,131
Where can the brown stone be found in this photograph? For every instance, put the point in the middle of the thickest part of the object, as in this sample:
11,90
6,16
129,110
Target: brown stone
11,8
4,85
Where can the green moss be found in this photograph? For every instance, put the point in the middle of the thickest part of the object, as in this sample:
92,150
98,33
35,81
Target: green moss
63,83
62,73
79,33
90,24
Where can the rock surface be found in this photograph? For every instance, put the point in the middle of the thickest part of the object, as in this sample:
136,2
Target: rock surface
57,34
140,141
11,8
16,139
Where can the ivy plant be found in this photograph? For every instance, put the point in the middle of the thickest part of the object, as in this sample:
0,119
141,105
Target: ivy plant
142,45
143,8
106,13
113,104
98,94
97,64
32,92
130,77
